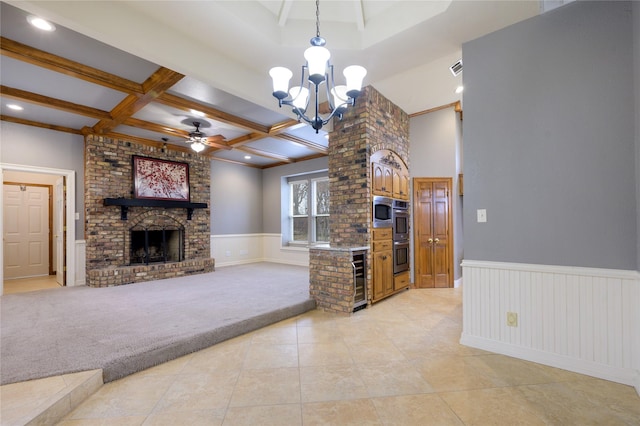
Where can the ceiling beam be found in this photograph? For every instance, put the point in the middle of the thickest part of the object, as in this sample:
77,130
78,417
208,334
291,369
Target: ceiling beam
266,154
358,7
285,10
307,144
46,101
34,56
41,125
187,105
159,82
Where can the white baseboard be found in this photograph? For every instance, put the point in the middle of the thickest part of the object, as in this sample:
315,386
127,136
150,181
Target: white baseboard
593,369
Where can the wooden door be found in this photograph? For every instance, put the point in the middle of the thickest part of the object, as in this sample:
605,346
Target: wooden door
433,238
26,231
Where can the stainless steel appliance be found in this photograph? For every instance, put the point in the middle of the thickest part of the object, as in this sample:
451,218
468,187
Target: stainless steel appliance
359,264
400,256
382,211
400,227
400,220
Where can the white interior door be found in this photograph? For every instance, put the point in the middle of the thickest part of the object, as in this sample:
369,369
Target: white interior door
26,231
58,225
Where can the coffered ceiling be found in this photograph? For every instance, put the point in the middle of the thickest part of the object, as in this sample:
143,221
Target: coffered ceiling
147,70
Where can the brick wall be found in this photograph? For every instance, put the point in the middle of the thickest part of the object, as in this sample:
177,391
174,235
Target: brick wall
374,123
108,174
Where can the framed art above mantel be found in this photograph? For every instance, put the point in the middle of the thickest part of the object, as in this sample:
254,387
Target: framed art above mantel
155,179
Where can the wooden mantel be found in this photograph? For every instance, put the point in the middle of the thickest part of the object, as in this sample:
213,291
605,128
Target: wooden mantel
125,203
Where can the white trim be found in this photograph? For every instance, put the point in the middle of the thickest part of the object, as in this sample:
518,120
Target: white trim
70,203
237,249
594,369
555,269
580,319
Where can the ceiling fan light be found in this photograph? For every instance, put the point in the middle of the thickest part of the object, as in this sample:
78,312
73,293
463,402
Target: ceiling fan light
300,96
197,146
280,77
317,58
354,75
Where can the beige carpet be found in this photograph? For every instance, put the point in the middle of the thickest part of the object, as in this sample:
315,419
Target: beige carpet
126,329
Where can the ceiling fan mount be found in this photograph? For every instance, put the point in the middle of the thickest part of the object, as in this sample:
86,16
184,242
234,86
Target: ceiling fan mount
196,135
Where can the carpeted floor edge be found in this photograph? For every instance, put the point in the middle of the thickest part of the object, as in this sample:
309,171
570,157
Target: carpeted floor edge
117,369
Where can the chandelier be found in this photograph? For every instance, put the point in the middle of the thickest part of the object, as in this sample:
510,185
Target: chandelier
318,70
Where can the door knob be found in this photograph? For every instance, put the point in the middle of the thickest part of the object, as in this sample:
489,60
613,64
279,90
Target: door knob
430,240
437,240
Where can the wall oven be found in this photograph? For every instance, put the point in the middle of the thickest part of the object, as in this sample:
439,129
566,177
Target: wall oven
400,220
382,212
400,256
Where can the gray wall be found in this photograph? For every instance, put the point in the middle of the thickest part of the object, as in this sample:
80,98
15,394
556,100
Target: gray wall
274,189
435,151
32,146
236,199
636,54
549,140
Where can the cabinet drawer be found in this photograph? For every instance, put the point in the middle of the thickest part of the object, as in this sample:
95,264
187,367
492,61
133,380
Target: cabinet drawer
401,281
382,234
382,245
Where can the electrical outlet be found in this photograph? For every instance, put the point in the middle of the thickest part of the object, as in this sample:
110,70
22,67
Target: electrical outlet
512,319
228,253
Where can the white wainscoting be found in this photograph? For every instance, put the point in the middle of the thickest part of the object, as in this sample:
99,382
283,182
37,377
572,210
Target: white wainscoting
236,249
81,263
584,320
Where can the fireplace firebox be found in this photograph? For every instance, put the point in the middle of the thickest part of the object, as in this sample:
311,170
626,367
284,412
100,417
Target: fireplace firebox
156,246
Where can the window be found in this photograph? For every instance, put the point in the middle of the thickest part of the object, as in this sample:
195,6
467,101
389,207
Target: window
309,210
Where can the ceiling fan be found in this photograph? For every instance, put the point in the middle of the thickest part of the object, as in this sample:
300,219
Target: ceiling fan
198,140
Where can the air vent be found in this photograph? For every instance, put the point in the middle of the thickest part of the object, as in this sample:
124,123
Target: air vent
456,68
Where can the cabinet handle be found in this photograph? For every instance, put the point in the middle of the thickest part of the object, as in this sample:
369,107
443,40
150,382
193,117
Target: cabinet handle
437,240
430,240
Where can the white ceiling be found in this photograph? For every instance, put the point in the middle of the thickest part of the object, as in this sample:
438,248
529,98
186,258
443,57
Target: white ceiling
225,48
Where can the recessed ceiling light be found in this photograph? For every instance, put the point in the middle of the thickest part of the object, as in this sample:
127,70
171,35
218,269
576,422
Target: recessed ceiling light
15,107
41,23
459,89
247,157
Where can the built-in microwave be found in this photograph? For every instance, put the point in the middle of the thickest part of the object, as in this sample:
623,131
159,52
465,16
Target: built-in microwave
382,212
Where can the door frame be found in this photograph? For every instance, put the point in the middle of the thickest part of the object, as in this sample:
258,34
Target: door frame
70,243
450,216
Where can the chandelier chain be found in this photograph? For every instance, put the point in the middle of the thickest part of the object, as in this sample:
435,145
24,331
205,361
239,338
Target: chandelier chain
317,18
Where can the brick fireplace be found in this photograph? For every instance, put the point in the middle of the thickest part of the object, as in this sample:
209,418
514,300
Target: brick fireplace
141,243
374,124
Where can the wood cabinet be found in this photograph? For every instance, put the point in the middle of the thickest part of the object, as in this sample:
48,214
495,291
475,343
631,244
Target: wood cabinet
389,175
382,255
401,281
385,283
382,179
400,185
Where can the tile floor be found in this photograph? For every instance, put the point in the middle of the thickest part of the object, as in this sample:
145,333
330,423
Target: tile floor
23,285
397,363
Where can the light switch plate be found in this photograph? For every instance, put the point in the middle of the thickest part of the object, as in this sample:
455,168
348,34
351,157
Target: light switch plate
482,215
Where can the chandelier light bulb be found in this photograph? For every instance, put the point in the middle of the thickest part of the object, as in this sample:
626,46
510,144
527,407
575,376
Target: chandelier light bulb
299,96
354,75
340,97
280,77
317,58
